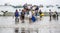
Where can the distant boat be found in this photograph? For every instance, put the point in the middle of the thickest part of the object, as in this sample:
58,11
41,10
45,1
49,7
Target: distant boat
57,5
49,6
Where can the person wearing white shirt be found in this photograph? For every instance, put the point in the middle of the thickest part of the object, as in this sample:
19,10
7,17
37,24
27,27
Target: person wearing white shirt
30,16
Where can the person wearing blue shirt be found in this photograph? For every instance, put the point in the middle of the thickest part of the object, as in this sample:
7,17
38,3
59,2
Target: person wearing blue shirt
16,16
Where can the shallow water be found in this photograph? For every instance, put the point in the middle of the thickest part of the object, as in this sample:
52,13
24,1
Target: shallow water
7,25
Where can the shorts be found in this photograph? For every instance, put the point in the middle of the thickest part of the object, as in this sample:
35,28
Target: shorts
22,17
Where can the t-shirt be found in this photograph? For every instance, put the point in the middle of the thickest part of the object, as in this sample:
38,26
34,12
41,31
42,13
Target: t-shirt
30,14
20,12
50,13
16,14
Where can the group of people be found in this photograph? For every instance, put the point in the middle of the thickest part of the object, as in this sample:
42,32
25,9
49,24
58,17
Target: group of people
54,15
22,14
32,14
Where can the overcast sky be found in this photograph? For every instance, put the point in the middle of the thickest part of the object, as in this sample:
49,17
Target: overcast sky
36,2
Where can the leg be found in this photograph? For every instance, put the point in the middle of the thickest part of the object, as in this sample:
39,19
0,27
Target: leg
15,20
40,17
57,17
22,19
50,18
29,20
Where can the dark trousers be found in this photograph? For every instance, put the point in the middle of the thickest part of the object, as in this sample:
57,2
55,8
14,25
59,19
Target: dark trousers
50,17
57,17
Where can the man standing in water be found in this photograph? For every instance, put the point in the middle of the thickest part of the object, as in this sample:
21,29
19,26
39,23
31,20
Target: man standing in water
30,16
22,16
56,14
50,14
16,16
40,12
